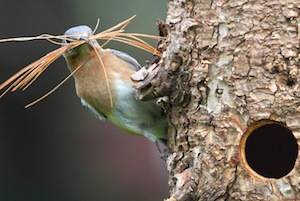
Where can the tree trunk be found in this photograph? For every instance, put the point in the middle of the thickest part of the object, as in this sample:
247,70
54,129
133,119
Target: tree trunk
228,69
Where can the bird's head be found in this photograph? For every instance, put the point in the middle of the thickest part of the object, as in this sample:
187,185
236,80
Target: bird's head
83,51
81,32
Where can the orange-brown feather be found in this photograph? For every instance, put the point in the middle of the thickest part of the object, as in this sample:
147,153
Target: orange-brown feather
90,80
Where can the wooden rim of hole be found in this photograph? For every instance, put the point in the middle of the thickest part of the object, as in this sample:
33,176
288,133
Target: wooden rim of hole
242,148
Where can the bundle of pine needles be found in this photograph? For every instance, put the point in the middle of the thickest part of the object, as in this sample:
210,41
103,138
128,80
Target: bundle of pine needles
27,75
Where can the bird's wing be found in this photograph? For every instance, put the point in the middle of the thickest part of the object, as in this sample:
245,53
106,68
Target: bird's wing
126,57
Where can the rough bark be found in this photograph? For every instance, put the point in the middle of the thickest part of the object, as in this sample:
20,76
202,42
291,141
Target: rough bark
225,65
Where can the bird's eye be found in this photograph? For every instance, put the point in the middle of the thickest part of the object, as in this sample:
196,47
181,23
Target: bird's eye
67,41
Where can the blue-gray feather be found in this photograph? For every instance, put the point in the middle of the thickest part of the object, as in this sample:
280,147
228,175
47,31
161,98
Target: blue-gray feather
79,32
126,57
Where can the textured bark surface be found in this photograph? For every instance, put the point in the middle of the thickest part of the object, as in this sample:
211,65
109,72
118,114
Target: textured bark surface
226,64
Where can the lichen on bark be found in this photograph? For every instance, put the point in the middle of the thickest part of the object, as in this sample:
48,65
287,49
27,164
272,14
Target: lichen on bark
225,65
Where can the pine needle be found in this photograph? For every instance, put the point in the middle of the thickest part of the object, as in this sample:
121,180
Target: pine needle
25,75
28,75
31,38
54,89
106,77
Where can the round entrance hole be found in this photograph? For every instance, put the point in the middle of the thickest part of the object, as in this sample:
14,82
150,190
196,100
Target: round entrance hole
269,149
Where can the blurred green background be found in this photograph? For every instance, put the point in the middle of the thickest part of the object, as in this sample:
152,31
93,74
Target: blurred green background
57,150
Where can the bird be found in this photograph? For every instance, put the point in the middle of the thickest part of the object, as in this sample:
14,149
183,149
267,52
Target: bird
104,86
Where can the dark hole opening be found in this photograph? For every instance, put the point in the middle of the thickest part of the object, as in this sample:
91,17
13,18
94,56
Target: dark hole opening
271,150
